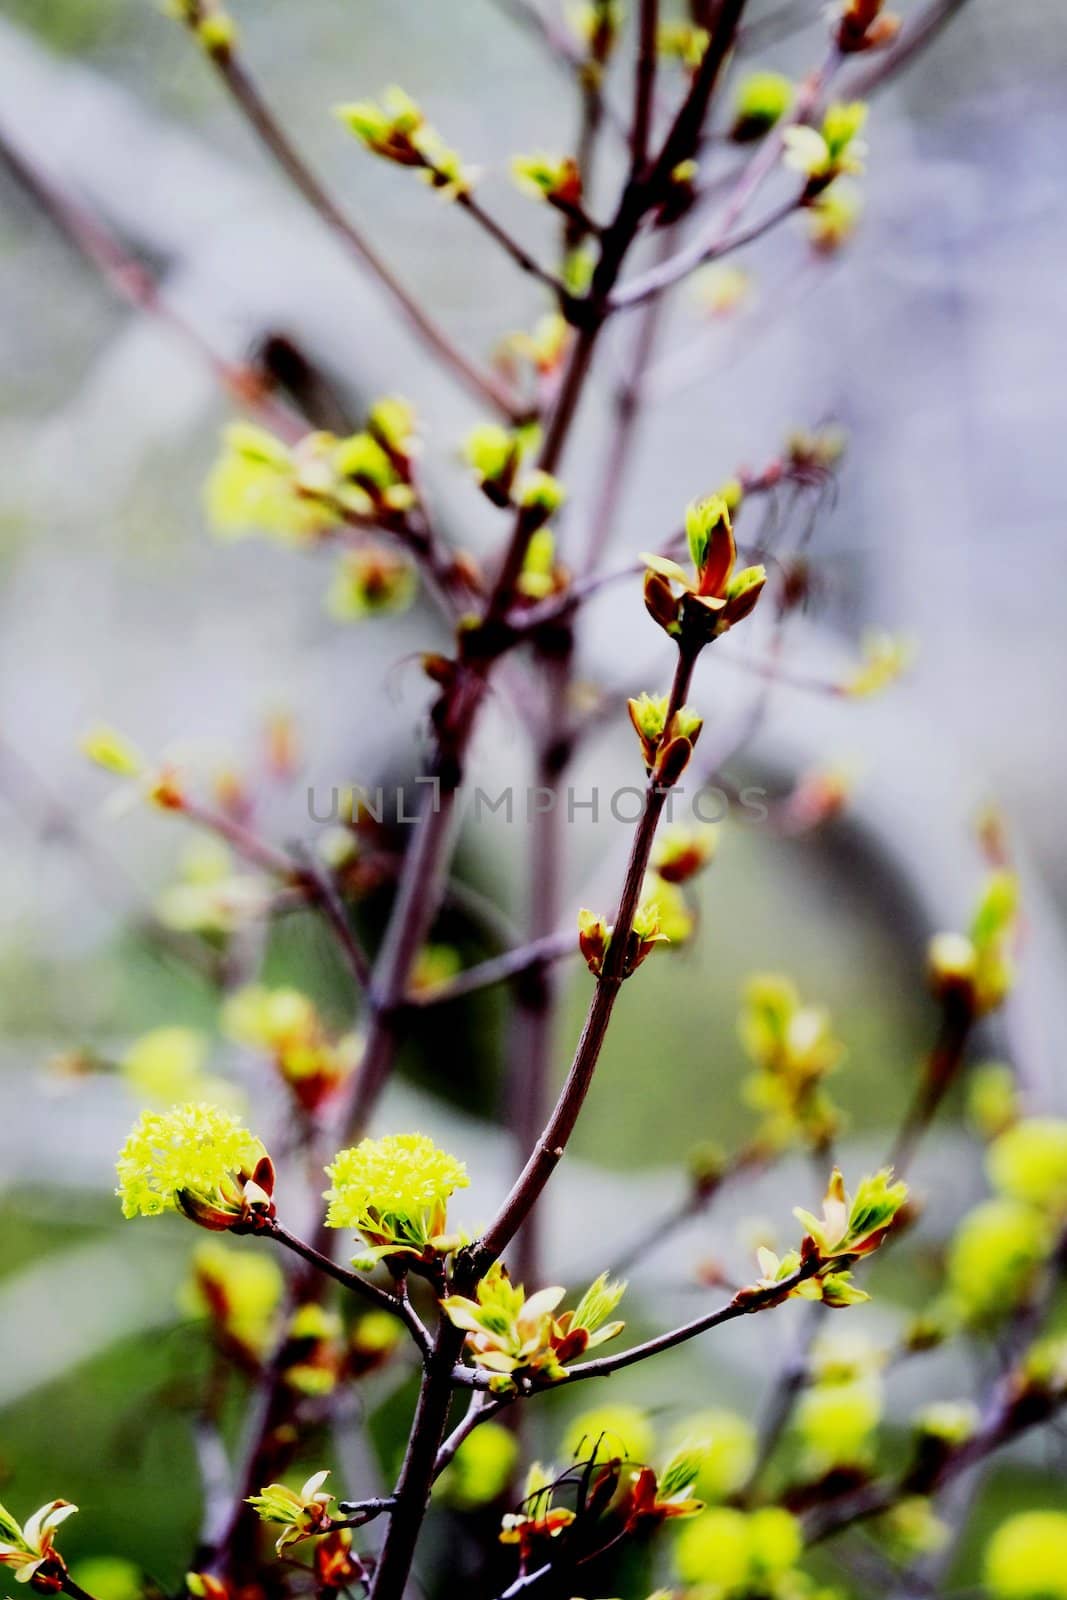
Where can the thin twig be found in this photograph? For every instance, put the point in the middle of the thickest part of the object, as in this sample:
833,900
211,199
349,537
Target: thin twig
644,81
137,286
249,100
548,1151
396,1305
518,252
497,969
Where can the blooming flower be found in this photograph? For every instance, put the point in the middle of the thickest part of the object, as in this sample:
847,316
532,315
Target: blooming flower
717,597
197,1159
28,1549
239,1291
835,148
301,1512
284,1023
794,1049
511,1334
395,1192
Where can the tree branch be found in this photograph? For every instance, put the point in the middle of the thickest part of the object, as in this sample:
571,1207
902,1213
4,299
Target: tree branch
644,82
247,98
133,283
397,1305
548,1152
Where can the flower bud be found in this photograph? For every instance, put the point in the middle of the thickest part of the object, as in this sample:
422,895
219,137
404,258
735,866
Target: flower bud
594,937
494,454
661,604
555,179
681,852
762,99
540,496
863,25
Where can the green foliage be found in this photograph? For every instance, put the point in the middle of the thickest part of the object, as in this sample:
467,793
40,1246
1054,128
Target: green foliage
1026,1559
994,1259
1028,1162
729,1552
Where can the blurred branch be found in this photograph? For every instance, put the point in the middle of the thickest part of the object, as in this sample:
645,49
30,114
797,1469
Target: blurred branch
250,102
136,285
294,870
47,814
560,48
498,969
1005,1421
919,32
644,81
720,239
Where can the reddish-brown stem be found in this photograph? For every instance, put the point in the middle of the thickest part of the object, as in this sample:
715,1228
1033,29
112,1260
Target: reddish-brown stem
720,238
644,82
518,252
939,1073
419,885
420,1460
396,1305
660,278
759,1300
532,1028
549,1148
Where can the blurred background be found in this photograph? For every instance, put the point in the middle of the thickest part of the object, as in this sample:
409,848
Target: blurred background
934,340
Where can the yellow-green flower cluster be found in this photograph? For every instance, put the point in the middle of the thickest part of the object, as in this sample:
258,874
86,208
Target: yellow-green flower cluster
761,100
839,1411
396,130
209,896
211,25
999,1249
237,1291
730,1553
481,1469
167,1065
395,1192
976,970
513,1335
822,154
794,1050
495,455
297,494
556,179
371,581
284,1023
833,217
198,1159
683,42
540,575
1026,1559
885,659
